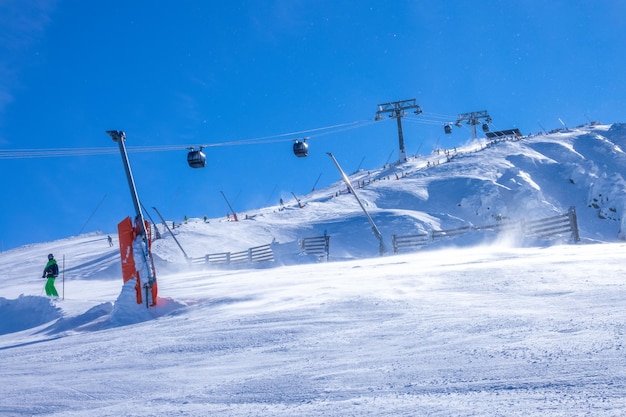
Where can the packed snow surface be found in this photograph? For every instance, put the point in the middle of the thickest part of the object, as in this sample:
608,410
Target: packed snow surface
475,326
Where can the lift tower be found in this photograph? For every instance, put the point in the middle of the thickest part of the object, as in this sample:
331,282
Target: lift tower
397,111
473,119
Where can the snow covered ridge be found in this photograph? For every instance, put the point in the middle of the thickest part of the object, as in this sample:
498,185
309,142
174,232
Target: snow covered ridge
479,184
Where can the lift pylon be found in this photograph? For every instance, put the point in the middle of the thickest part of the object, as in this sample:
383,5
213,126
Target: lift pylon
397,111
473,119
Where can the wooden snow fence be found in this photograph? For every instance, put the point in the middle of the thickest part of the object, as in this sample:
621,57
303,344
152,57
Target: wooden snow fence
410,242
546,228
317,245
252,255
553,226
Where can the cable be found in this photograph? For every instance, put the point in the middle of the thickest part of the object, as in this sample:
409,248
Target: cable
442,116
425,121
270,139
66,152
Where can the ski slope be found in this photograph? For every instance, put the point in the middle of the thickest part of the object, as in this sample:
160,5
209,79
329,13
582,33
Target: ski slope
479,325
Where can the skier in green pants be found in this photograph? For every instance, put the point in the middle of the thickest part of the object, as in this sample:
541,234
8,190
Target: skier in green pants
51,271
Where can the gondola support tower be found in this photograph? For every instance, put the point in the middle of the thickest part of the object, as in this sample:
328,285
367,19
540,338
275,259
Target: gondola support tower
397,110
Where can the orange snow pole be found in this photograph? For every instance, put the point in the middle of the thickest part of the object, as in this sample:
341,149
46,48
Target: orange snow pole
126,233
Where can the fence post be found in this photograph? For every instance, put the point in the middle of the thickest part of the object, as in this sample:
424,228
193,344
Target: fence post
394,243
573,223
327,246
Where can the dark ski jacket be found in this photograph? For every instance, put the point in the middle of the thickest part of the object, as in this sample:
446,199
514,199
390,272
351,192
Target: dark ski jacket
51,270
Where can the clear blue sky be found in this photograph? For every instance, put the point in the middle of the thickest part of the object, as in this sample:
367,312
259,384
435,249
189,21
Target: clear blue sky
206,72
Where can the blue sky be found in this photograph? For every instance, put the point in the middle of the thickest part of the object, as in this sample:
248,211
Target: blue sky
248,77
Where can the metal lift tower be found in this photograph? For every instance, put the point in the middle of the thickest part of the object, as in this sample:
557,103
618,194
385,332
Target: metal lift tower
473,119
397,111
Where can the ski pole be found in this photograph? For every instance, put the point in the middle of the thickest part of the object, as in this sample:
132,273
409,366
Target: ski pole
63,289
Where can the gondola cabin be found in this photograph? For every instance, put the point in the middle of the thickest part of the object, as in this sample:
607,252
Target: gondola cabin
196,158
300,149
485,127
447,129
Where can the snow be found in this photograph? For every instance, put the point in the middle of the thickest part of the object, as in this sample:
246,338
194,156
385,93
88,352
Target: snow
469,326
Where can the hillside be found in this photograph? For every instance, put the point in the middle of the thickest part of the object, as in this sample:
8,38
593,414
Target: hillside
478,324
480,184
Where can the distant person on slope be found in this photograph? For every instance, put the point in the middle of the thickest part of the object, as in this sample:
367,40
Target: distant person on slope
51,271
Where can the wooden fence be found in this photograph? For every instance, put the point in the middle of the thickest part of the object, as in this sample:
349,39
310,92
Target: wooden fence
409,241
256,254
318,245
545,228
553,226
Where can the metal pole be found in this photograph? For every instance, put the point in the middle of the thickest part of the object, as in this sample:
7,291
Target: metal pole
320,176
402,153
169,230
229,206
63,290
297,199
157,235
381,247
120,138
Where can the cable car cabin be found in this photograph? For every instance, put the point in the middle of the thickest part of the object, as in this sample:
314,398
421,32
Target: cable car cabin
196,159
447,129
485,127
301,149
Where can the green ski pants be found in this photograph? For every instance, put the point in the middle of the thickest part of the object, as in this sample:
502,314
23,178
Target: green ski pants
50,290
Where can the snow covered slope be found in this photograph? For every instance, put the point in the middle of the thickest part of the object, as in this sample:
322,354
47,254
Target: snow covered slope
480,184
486,329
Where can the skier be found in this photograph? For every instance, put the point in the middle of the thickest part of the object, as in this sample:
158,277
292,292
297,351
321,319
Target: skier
110,240
51,271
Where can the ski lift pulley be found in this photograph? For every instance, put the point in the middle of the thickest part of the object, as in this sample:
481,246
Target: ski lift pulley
301,149
196,158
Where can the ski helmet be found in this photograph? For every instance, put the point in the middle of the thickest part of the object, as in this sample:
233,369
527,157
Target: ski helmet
50,257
